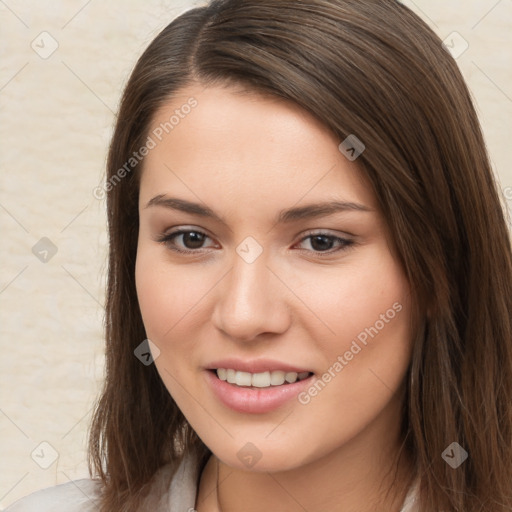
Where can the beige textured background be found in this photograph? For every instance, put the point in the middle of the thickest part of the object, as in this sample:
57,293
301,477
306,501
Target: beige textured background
56,118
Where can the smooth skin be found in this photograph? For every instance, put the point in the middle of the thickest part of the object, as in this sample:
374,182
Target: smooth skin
319,282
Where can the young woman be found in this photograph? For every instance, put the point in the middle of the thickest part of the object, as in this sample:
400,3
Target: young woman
309,296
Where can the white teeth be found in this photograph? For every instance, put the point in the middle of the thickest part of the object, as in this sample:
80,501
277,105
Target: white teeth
291,377
243,379
277,378
230,376
259,380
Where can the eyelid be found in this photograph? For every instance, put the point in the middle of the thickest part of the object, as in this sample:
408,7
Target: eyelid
327,232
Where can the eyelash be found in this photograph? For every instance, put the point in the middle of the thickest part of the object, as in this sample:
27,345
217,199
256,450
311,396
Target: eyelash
168,239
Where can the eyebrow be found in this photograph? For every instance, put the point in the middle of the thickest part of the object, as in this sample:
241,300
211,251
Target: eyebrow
285,216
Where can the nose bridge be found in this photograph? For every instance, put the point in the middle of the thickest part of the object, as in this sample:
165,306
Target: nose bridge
250,299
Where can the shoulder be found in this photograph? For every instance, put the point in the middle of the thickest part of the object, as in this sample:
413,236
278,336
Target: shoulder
74,496
173,489
411,500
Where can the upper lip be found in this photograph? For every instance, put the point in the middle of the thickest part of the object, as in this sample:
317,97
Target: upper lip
255,365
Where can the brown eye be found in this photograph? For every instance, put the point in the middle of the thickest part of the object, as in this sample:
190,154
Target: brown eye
185,240
325,243
321,243
193,239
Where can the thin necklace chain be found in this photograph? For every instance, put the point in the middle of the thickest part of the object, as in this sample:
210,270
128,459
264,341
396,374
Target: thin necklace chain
217,487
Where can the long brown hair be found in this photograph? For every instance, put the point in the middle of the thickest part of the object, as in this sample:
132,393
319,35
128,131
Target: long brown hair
374,69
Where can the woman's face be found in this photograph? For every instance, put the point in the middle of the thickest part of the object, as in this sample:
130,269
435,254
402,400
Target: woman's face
262,253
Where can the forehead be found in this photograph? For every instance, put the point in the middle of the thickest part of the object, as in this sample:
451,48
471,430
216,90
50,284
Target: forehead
222,142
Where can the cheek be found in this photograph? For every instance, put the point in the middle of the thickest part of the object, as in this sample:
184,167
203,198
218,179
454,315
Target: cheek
367,356
369,352
366,359
167,298
368,298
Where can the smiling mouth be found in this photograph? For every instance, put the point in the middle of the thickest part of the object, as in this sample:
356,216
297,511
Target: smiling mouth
259,380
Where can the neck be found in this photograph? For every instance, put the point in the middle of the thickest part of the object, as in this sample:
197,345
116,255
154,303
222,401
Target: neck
364,475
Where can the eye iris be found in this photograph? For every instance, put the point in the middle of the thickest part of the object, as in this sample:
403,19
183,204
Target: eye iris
193,240
321,243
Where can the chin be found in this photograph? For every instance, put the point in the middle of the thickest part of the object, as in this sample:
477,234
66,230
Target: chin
264,456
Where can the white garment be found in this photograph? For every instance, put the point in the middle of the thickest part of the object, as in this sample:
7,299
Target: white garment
82,495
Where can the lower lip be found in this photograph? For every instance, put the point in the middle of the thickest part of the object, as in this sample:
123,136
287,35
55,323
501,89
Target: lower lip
254,401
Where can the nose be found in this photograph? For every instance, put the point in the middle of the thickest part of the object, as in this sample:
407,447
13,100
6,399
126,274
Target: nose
251,301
